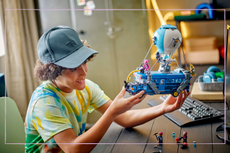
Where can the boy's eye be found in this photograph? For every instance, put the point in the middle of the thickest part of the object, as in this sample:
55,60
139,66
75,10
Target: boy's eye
74,69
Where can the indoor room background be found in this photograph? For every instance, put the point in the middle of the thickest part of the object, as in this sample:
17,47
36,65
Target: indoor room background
122,37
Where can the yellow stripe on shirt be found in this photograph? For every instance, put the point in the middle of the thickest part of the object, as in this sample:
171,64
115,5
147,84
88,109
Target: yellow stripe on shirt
57,119
35,126
76,108
39,122
87,89
79,99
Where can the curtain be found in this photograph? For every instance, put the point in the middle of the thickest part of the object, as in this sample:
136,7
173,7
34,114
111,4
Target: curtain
21,55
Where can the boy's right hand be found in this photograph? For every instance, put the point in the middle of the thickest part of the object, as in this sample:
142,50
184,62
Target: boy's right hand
121,104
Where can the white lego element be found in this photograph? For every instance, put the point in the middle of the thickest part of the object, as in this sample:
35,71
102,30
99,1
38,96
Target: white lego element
179,69
170,60
171,42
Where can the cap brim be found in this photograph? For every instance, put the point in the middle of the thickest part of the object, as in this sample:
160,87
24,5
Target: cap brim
76,58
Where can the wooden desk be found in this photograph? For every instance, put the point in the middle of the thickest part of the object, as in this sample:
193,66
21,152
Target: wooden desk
141,139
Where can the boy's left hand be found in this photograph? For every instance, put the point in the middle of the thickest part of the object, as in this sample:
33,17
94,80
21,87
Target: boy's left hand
121,104
172,103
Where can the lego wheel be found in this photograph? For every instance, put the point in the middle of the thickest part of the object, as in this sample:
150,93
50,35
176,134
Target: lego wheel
175,93
141,96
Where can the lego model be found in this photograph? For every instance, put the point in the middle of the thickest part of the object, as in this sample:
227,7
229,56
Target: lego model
164,81
160,139
184,137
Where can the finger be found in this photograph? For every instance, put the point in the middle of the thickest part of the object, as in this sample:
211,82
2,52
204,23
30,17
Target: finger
136,96
122,92
179,98
143,97
186,93
136,101
171,97
184,96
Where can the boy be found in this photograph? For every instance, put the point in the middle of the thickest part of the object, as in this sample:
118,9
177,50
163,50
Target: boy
57,112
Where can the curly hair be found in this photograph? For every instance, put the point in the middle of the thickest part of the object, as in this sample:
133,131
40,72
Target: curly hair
51,71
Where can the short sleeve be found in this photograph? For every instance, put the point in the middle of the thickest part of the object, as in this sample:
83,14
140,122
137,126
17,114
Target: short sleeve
98,97
49,118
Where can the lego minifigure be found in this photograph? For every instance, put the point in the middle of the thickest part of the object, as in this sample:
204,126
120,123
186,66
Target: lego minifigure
158,57
159,138
184,137
146,65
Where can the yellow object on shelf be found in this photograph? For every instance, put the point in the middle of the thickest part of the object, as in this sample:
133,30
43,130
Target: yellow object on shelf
184,12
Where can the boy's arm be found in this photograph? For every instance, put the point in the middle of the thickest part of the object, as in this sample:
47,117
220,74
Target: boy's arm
68,141
139,116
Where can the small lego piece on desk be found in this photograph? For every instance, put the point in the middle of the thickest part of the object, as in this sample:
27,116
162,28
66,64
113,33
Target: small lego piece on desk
160,139
173,135
194,144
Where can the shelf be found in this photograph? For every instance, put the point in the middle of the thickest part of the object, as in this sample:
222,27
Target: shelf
195,20
219,17
183,65
198,20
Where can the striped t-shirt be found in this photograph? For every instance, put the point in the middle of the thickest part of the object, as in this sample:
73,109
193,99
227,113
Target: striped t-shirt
51,111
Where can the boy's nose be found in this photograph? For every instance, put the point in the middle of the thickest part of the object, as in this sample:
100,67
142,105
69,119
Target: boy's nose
83,70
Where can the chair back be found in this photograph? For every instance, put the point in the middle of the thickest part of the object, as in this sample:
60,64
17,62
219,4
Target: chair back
15,133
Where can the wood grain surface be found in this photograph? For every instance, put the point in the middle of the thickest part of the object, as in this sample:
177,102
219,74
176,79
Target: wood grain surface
141,139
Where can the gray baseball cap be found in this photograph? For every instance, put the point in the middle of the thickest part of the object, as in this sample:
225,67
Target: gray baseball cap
62,46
